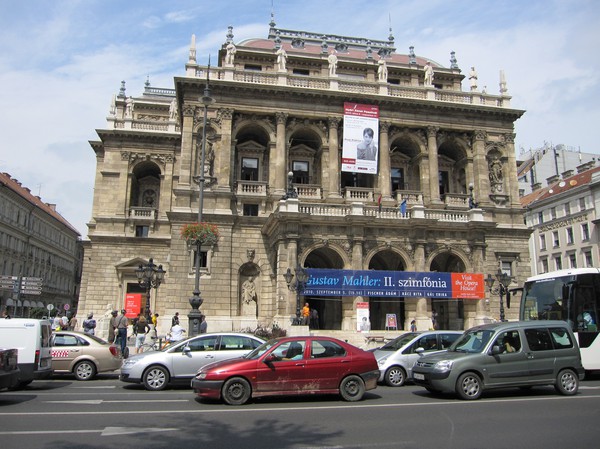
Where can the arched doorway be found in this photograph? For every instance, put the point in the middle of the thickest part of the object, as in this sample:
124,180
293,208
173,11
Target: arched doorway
379,308
447,313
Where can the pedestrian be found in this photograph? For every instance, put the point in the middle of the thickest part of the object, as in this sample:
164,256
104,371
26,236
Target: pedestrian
55,323
413,326
73,322
203,325
314,319
64,322
175,319
134,324
155,324
122,325
141,329
112,326
176,333
305,314
89,325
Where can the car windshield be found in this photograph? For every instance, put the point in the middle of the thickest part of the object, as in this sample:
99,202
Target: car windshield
261,350
472,341
399,342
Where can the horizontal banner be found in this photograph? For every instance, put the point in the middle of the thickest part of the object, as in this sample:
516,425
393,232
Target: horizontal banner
396,284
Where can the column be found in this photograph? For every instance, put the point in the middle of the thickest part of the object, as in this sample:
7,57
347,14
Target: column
223,163
423,318
187,139
278,157
481,181
334,158
434,183
384,161
512,185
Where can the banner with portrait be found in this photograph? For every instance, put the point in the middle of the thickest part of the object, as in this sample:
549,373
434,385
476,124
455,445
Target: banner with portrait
360,147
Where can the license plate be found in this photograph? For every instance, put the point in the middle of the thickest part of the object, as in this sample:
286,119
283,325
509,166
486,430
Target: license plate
419,376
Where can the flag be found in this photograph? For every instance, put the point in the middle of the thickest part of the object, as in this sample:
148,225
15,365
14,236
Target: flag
379,202
403,207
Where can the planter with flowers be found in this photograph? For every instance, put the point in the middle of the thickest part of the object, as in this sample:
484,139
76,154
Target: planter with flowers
204,233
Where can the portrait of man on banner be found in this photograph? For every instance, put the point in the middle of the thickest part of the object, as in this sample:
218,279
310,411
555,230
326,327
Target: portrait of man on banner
361,138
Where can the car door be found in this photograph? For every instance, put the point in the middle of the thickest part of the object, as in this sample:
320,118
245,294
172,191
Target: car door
510,366
283,368
540,354
328,364
65,349
188,357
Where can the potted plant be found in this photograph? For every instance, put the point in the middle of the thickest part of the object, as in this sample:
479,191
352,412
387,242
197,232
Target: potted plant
204,233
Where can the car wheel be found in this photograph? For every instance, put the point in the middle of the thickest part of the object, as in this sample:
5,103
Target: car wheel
352,388
395,376
155,378
567,382
469,386
236,391
84,370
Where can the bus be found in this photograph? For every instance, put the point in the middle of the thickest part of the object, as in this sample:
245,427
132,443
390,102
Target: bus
572,296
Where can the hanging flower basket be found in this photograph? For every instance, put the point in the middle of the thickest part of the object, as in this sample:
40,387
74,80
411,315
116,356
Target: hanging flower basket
205,233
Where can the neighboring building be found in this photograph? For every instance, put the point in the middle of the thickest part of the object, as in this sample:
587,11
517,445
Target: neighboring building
546,162
283,111
36,242
564,218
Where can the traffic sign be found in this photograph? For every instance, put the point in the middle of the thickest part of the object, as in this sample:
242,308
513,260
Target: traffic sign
66,307
8,278
32,279
50,307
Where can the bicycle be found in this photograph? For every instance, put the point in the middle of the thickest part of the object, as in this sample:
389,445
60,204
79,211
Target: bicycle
156,345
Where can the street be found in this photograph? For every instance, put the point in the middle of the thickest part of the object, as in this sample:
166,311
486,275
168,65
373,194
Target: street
65,413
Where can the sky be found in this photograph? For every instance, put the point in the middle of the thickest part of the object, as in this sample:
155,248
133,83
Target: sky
61,61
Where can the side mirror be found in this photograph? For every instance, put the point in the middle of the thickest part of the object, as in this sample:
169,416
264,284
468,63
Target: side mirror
420,350
271,358
496,350
186,349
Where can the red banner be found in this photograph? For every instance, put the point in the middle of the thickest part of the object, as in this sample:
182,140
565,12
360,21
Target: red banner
468,285
133,304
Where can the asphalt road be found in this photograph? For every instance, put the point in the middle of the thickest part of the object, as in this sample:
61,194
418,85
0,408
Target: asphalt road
105,413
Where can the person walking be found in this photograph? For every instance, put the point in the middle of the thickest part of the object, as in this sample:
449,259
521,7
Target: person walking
314,319
89,325
175,319
122,324
141,329
203,325
73,323
305,314
112,326
155,324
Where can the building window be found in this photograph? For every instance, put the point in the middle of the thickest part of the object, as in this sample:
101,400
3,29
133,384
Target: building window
558,263
540,217
302,72
573,260
545,265
249,169
253,67
542,242
588,259
556,239
581,203
251,210
142,231
397,179
569,236
585,232
553,213
567,209
300,170
506,267
203,260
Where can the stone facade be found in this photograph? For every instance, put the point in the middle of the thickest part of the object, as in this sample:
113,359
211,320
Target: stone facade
448,155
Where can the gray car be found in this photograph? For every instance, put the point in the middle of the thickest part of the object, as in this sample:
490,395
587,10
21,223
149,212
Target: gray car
508,354
397,357
179,362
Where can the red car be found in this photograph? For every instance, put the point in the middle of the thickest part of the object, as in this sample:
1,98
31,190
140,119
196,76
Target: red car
290,366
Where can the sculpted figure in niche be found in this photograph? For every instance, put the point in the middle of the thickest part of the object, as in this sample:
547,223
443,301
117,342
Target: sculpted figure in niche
230,55
249,298
496,175
382,71
428,74
332,59
281,59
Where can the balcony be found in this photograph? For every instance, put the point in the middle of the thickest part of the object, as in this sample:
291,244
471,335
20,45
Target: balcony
308,191
143,213
251,188
456,200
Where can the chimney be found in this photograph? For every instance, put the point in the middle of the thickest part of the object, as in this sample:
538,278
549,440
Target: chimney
587,166
552,179
567,174
51,206
536,186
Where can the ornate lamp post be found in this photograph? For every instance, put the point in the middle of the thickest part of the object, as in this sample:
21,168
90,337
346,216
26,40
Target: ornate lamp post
149,276
504,281
196,300
296,282
291,191
472,203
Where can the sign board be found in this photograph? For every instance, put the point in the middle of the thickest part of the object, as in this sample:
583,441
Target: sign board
394,284
391,321
133,304
361,138
50,307
363,320
66,307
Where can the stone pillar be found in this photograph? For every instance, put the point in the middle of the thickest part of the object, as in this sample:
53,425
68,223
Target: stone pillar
481,181
223,163
187,142
432,150
166,187
348,309
512,184
334,159
278,157
384,162
481,314
422,317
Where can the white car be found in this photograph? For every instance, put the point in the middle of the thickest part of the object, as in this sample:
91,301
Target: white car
179,362
397,357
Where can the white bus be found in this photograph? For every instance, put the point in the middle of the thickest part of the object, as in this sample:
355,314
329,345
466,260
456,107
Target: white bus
572,296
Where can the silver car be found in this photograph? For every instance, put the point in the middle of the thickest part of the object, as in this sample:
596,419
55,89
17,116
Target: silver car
397,357
179,362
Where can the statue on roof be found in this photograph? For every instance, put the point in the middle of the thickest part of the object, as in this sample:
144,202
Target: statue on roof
333,60
428,74
281,59
473,79
173,109
382,71
230,55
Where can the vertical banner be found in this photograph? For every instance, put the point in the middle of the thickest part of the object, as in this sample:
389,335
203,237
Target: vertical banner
360,148
133,304
363,322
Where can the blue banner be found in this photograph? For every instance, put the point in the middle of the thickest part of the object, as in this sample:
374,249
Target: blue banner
406,284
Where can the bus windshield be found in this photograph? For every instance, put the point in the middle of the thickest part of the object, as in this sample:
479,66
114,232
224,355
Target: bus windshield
543,299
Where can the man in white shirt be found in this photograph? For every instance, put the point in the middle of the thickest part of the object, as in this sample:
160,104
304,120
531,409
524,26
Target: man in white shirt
176,333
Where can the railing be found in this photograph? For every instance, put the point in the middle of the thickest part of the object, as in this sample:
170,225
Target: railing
148,213
361,194
411,196
308,191
456,200
447,215
251,188
150,126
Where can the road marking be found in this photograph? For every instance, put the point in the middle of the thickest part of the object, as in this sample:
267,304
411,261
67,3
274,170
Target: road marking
106,432
295,408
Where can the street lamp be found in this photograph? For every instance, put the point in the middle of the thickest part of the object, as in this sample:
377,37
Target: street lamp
472,203
291,191
504,281
296,283
196,300
149,276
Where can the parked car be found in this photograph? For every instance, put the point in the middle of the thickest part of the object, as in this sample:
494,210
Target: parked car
31,338
83,355
9,368
291,366
507,354
397,357
179,362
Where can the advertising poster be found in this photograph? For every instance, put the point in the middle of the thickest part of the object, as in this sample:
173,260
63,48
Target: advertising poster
363,321
360,148
133,304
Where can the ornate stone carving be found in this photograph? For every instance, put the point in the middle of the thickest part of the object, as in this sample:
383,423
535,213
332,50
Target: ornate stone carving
479,135
188,110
